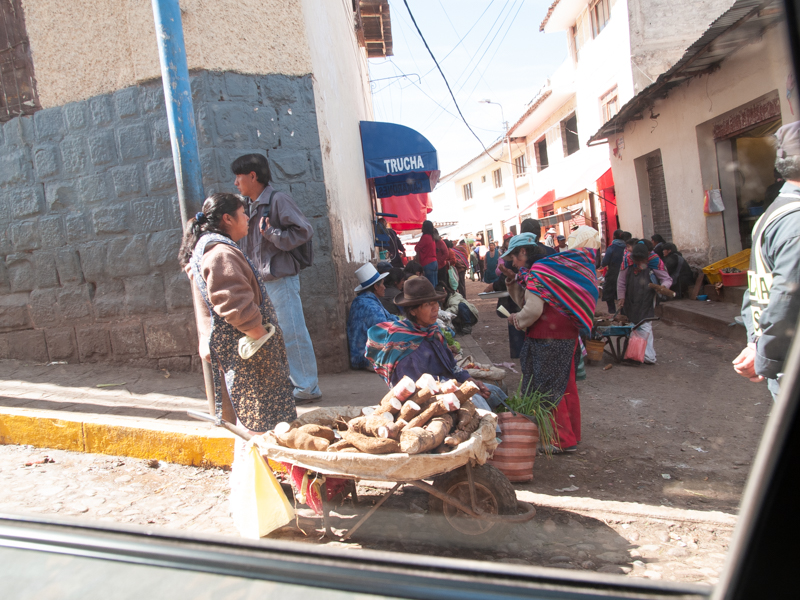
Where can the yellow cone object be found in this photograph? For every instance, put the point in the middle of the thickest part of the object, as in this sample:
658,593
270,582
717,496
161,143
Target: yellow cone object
261,507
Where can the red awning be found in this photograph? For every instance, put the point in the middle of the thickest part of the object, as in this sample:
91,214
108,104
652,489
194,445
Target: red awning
605,181
548,198
411,210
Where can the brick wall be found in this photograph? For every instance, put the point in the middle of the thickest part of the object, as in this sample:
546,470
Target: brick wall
90,222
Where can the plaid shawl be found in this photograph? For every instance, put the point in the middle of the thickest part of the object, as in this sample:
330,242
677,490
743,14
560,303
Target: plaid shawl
462,260
567,281
653,261
389,343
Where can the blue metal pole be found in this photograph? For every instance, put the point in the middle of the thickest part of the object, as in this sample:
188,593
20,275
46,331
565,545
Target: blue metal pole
180,112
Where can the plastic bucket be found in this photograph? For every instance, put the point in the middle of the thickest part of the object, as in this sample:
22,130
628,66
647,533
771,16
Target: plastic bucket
515,455
594,349
734,279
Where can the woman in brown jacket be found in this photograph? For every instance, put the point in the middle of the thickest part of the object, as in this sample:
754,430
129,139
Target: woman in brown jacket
230,303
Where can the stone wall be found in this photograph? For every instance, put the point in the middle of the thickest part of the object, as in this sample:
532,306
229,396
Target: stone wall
90,223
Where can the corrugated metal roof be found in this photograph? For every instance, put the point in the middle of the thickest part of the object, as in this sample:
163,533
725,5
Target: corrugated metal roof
745,22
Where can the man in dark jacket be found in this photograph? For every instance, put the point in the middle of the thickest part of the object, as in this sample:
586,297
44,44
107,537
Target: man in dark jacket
678,269
772,302
613,260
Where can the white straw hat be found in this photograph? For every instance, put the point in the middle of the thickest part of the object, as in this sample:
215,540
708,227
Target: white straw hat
368,275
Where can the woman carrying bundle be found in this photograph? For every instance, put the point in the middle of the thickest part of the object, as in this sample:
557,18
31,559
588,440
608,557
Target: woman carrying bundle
231,304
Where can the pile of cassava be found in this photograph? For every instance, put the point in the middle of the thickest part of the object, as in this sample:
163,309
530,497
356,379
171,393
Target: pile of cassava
414,417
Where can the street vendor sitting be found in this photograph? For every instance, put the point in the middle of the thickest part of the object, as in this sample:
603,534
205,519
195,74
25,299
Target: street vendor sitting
365,311
415,345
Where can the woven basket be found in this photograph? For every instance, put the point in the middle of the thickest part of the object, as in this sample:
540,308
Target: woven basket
515,455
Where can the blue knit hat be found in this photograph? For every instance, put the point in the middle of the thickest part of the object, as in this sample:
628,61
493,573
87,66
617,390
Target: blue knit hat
523,239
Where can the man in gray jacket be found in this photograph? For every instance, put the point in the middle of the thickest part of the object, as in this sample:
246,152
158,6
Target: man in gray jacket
276,228
772,302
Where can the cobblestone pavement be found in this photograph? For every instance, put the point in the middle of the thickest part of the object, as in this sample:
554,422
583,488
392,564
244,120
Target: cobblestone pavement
131,491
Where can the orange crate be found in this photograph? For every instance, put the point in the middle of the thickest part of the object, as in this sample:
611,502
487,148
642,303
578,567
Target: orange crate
740,260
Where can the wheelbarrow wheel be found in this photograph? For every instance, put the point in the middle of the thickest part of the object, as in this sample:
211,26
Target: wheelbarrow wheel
494,495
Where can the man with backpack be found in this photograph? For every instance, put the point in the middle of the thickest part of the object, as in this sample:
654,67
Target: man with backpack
279,244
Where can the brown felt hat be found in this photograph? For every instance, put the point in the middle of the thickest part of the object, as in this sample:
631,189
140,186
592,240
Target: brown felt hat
416,291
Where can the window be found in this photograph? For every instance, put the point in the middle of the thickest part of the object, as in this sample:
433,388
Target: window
467,187
497,178
17,86
541,154
520,166
569,135
601,13
609,105
483,178
489,234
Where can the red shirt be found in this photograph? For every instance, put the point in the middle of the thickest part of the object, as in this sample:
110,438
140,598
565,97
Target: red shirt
442,254
426,250
552,325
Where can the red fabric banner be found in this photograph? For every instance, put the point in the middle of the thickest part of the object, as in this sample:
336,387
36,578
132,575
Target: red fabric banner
411,210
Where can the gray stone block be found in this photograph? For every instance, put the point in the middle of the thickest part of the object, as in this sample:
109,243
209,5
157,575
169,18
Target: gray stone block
288,165
93,260
163,248
148,215
264,126
60,194
74,155
133,142
197,82
75,302
128,340
176,363
15,168
94,188
19,132
29,346
44,265
14,312
298,131
162,145
76,228
173,336
205,125
144,295
4,284
111,219
51,232
127,180
151,98
127,102
102,113
322,235
317,171
103,148
311,197
26,201
161,175
93,343
109,300
43,306
128,256
208,166
230,122
45,160
25,236
178,292
241,87
21,276
49,124
215,86
75,114
279,90
62,344
68,265
4,350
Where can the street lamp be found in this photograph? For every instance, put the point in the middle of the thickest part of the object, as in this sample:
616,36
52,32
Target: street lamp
508,141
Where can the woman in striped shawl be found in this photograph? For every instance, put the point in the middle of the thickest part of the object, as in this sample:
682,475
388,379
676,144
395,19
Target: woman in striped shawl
557,295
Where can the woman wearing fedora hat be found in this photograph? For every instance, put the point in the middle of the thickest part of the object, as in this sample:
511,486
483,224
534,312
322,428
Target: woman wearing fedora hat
415,346
365,311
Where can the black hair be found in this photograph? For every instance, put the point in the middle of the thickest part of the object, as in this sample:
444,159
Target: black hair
631,241
640,252
618,234
657,239
413,268
448,243
671,247
253,163
427,227
395,276
531,253
214,208
626,235
530,226
650,245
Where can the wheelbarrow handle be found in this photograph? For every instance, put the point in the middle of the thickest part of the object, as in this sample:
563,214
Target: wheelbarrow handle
235,429
643,321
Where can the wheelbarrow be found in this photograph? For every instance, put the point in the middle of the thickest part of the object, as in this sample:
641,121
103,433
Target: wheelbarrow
474,503
622,333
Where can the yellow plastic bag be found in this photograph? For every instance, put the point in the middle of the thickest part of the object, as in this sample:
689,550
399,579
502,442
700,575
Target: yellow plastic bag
260,506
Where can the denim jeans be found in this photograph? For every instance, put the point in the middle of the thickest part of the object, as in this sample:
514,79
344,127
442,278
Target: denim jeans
431,272
493,401
285,296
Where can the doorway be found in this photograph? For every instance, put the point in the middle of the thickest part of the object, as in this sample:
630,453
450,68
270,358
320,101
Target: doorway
657,187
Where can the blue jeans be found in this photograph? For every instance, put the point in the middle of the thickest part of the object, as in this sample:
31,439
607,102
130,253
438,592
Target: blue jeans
431,272
493,401
285,296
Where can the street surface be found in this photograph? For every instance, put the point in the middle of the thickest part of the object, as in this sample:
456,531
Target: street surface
656,482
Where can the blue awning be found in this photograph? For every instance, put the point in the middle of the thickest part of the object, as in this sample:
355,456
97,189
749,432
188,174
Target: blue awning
400,160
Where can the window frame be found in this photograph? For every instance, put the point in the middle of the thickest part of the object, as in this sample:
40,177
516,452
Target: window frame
466,190
599,9
497,178
540,164
605,101
522,161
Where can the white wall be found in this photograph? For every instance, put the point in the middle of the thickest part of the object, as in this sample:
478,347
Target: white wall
751,72
341,91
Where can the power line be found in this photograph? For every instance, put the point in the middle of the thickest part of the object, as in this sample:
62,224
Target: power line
458,108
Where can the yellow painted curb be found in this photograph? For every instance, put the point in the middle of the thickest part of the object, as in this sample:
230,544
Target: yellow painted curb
119,436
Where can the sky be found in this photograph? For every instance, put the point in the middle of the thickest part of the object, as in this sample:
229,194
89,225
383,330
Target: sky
487,49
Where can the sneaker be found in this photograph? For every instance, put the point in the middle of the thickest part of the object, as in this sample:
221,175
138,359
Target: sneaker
303,397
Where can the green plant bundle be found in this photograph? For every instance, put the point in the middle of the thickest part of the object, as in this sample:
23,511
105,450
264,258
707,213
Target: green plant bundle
541,408
451,341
